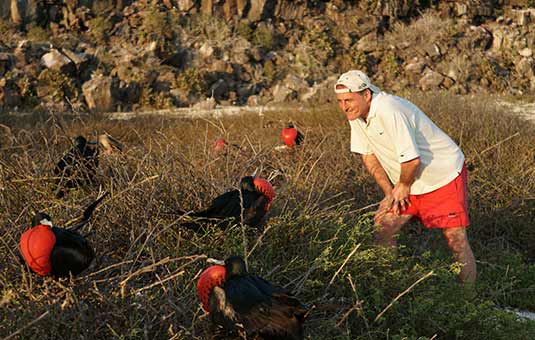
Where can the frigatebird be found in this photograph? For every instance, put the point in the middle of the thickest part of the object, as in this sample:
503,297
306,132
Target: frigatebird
56,251
248,205
240,303
78,166
291,136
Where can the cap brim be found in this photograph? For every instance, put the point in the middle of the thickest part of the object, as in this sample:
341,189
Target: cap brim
374,88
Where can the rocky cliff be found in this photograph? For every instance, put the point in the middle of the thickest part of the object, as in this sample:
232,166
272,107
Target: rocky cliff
127,55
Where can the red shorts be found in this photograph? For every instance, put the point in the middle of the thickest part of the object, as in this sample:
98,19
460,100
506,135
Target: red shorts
445,207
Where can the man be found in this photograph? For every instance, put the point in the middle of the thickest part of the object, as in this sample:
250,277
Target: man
419,168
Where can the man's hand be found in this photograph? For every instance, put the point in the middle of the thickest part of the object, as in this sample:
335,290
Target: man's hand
400,198
384,207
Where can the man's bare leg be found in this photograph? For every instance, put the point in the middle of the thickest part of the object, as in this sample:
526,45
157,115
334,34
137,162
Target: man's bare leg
388,227
458,243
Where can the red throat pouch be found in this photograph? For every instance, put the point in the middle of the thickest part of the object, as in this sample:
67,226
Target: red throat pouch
211,277
36,245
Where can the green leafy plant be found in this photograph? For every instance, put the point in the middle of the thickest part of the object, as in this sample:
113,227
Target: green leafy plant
192,80
99,28
37,33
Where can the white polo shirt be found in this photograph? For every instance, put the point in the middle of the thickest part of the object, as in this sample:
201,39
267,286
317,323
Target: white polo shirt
397,131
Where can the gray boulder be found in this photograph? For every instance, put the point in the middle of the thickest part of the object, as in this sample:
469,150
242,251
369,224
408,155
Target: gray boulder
100,93
57,61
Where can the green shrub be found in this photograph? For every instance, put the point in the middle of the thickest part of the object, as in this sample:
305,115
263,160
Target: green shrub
56,85
8,29
391,65
36,33
321,44
154,26
244,30
212,29
270,71
192,80
99,28
263,36
317,241
353,60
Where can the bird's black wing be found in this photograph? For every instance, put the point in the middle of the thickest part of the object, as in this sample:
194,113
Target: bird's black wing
88,212
229,205
265,309
77,167
223,206
66,161
299,138
71,254
76,157
221,312
254,208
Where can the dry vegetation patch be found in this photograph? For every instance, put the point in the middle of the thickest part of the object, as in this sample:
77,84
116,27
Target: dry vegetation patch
317,242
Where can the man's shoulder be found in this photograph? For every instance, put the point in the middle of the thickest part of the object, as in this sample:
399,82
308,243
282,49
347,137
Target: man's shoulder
387,103
388,99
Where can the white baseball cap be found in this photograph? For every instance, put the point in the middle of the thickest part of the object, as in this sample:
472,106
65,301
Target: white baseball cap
355,81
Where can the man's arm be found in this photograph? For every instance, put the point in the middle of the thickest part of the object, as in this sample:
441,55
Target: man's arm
408,172
396,198
402,188
379,174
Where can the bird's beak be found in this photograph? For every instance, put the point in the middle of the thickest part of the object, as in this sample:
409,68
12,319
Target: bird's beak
254,172
47,222
215,261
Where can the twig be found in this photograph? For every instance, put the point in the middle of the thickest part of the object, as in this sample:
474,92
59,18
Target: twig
243,231
151,267
365,207
159,282
134,185
500,142
358,304
28,325
346,314
403,293
108,268
342,266
258,240
30,179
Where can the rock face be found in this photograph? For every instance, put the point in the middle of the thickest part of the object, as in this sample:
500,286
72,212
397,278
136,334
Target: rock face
161,54
57,61
9,95
100,93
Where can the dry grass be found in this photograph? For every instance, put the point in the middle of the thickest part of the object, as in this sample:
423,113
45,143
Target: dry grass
429,28
317,241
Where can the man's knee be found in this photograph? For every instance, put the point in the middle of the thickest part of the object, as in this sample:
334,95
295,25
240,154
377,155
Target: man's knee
457,239
387,227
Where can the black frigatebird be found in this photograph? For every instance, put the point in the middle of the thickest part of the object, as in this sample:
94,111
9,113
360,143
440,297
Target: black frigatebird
79,165
56,251
242,303
248,205
291,136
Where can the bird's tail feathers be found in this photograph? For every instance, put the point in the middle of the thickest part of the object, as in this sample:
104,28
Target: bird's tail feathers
88,212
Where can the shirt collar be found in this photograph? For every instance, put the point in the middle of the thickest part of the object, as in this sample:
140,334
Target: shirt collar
373,111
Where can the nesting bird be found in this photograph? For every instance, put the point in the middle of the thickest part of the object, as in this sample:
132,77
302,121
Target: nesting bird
291,136
219,144
50,250
242,303
247,205
79,165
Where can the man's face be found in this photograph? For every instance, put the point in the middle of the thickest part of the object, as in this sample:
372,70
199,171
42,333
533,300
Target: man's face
355,105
